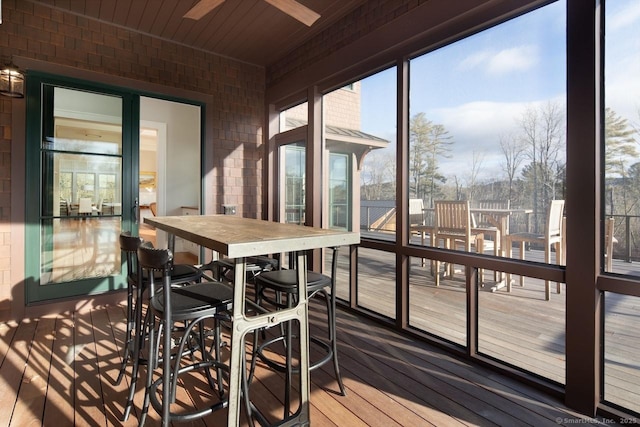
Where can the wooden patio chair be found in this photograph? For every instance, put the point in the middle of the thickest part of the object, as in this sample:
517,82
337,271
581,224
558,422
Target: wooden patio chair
609,240
481,222
417,221
552,237
453,228
416,212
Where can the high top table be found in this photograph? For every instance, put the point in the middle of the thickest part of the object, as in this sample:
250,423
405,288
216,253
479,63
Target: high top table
239,238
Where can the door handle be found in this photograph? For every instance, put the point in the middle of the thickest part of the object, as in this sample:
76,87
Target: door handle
136,211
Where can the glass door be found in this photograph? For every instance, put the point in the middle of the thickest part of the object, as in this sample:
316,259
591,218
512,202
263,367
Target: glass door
292,178
83,153
339,194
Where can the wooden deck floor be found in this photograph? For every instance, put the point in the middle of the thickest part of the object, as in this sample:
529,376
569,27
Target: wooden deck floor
520,327
61,372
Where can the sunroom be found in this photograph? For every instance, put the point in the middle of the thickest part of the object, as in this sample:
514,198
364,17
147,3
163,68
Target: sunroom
386,118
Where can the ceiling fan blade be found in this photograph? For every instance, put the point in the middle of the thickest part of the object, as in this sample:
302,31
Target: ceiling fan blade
298,11
202,8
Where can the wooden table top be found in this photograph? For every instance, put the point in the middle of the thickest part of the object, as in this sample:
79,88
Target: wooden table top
236,237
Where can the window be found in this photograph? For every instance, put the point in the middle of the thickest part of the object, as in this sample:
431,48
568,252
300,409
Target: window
622,134
360,133
294,183
107,187
487,148
339,194
66,186
621,230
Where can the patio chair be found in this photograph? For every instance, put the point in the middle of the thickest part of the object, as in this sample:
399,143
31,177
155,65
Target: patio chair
552,238
484,220
417,222
487,224
416,212
453,227
609,241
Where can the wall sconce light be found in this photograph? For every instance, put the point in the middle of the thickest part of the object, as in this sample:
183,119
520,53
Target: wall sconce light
12,81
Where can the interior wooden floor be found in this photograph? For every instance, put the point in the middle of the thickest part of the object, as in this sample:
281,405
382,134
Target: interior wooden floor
61,371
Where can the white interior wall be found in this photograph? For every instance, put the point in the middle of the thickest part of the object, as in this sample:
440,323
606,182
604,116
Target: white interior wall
182,158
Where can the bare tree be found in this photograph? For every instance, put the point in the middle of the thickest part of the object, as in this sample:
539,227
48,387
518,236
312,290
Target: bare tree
542,134
472,176
377,175
514,152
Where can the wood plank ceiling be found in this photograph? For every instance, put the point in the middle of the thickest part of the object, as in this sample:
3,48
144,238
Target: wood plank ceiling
251,31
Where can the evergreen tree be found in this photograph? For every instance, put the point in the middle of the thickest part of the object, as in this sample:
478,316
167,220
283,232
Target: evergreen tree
428,142
620,144
620,150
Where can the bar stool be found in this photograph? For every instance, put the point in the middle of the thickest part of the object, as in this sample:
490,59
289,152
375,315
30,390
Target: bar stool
190,305
181,273
271,287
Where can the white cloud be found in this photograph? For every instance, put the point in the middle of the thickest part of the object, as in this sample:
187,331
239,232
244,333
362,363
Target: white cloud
625,17
520,58
475,60
478,127
515,59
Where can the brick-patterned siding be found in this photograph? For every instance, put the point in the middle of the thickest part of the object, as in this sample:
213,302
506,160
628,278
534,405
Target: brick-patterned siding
42,33
341,106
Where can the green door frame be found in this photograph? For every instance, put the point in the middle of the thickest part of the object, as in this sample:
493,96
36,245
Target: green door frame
35,87
131,160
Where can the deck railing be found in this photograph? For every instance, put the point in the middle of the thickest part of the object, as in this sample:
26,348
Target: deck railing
379,217
626,231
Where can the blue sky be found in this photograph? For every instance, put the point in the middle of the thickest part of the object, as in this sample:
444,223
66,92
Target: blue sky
478,88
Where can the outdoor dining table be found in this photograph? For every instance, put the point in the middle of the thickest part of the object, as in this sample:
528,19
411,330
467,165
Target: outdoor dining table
497,217
239,238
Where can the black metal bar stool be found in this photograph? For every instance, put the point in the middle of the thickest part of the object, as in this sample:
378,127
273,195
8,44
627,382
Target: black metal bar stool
169,306
279,288
180,274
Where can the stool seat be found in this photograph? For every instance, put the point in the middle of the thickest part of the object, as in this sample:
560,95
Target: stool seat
287,280
193,301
